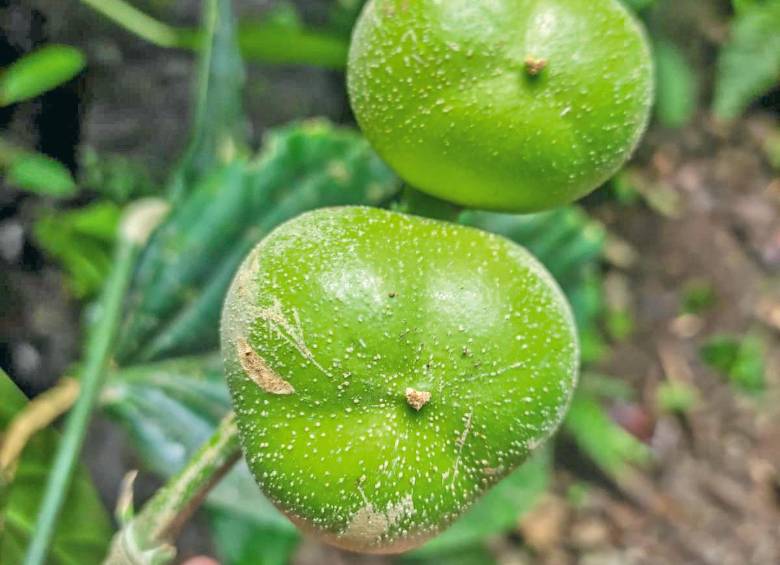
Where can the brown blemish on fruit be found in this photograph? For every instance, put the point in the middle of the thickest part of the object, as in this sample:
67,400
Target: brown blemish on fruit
417,398
258,370
369,525
534,65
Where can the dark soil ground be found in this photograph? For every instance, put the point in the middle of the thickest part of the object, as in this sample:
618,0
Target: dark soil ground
710,212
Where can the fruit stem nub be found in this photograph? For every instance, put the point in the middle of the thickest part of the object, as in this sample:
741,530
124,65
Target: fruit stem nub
417,398
534,65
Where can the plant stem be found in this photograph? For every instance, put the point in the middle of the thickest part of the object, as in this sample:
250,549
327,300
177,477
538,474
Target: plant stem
147,537
261,41
143,25
139,221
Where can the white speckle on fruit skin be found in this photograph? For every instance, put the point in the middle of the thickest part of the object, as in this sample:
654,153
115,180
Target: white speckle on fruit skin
465,316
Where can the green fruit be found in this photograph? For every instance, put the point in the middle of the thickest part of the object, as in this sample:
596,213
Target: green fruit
515,105
387,369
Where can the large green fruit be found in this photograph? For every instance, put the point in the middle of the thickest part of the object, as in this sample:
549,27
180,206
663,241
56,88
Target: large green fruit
515,105
387,369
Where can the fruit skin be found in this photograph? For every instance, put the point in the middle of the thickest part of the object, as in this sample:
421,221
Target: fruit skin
336,327
513,105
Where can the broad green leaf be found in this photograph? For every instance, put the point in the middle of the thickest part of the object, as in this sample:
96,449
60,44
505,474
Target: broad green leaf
749,64
498,511
81,241
39,71
219,128
570,244
184,273
608,445
169,409
83,533
741,359
241,541
676,85
38,173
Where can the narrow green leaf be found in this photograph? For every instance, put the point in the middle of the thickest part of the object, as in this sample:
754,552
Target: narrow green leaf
219,128
609,446
39,71
676,85
83,534
282,38
749,64
38,173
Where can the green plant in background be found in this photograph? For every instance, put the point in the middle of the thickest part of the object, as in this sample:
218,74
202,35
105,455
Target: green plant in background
29,77
739,359
749,64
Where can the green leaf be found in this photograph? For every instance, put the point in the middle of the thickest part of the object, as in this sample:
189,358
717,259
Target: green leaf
638,5
676,85
81,241
39,71
607,444
498,511
38,173
83,534
281,37
676,397
184,273
242,541
343,14
169,409
118,178
749,64
741,360
571,246
219,128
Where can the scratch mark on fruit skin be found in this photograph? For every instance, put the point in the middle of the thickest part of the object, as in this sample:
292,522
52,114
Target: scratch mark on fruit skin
258,370
461,442
292,333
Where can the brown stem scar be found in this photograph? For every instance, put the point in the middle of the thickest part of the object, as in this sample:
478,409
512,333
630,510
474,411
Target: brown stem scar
534,65
258,370
417,398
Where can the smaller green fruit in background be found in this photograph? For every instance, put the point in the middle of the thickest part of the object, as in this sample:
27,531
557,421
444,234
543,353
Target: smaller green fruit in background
515,105
387,369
